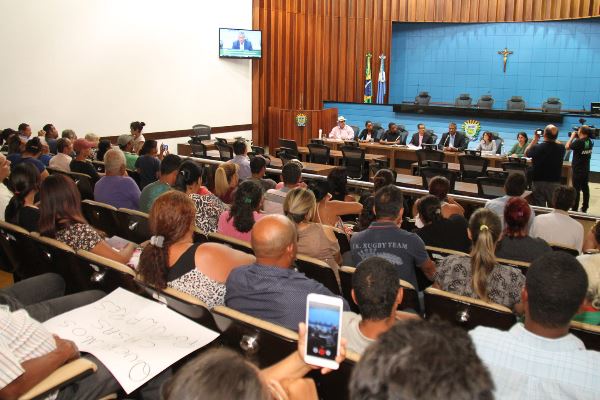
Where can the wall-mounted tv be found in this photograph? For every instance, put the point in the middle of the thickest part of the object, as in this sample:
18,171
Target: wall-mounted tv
240,43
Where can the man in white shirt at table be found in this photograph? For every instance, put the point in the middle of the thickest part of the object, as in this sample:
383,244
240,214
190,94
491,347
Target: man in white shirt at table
540,359
342,131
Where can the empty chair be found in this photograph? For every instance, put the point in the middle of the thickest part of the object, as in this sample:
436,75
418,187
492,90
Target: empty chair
463,100
354,161
133,225
258,150
352,143
472,167
50,255
423,99
317,141
286,154
356,130
318,270
499,142
318,153
378,129
434,137
201,132
198,150
552,105
485,101
101,216
467,312
430,172
220,140
289,143
225,151
490,188
426,155
14,243
515,103
589,334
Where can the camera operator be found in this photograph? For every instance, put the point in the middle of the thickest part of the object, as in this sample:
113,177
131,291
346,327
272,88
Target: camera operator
582,146
547,158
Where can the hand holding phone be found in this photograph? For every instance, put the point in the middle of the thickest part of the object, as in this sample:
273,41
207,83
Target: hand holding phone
323,325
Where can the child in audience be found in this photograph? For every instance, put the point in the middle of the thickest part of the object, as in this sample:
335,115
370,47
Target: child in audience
478,275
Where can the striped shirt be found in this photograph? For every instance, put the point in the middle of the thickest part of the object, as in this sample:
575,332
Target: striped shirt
21,339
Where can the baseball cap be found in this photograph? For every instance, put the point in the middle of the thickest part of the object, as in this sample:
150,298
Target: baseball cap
81,144
341,119
122,140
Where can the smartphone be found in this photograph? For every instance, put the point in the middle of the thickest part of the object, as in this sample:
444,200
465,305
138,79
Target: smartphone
323,327
164,147
539,132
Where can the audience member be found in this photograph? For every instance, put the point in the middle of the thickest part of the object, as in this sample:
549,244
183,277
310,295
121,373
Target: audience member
547,159
33,149
125,143
61,219
540,358
62,159
447,233
557,227
487,144
384,238
45,156
103,146
94,140
291,175
453,140
439,186
421,136
377,292
241,159
591,243
5,194
80,163
383,177
328,211
24,181
478,275
14,145
173,259
342,131
169,168
514,186
314,240
582,146
367,215
368,134
270,288
24,131
226,181
51,136
138,139
518,150
589,313
69,134
516,244
116,187
245,211
338,184
208,206
393,135
421,360
148,162
258,168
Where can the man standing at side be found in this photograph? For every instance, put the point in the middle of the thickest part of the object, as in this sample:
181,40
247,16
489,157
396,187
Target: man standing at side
452,140
547,158
582,146
384,238
342,131
540,359
241,159
271,289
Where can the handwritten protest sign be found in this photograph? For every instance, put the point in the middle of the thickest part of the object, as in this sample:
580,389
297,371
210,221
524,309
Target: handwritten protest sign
135,338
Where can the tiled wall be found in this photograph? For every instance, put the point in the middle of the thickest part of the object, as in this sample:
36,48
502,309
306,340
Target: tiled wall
550,59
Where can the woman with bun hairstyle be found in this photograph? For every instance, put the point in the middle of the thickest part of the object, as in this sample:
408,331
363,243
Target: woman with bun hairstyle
24,182
329,211
448,233
239,221
136,128
226,180
172,259
208,206
478,275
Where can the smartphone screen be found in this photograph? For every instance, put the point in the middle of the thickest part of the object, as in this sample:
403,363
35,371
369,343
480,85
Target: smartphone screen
323,329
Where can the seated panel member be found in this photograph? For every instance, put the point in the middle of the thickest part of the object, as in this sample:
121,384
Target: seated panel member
368,134
452,140
242,43
421,137
342,131
392,135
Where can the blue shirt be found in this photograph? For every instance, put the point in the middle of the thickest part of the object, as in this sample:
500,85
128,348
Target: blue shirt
118,191
16,159
271,293
149,167
404,249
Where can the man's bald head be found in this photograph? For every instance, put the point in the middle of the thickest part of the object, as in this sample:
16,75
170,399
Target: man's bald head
551,132
272,236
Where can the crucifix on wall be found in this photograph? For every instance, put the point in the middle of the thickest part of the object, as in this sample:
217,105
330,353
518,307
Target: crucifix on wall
505,53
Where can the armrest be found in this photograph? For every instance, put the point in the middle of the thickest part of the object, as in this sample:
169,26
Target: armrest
63,376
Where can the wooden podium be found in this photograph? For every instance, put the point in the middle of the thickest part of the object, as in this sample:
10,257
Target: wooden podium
282,124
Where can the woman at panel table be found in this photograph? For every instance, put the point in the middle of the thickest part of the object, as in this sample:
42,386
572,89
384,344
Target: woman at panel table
518,150
487,144
367,134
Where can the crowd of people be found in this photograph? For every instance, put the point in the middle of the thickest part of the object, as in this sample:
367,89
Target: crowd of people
402,355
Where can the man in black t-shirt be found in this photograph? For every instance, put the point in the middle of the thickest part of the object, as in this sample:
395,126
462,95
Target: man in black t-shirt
393,135
547,159
582,146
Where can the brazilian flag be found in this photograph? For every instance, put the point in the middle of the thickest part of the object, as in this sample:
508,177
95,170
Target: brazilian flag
368,82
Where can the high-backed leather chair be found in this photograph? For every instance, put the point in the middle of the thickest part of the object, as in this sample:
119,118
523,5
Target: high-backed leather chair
515,103
463,100
423,99
485,101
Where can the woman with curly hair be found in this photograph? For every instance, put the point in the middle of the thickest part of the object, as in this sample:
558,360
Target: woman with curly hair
239,220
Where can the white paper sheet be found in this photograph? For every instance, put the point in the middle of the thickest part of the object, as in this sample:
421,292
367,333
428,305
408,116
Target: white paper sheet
135,338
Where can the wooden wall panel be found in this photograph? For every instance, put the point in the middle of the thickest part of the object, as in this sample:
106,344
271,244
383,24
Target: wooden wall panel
314,50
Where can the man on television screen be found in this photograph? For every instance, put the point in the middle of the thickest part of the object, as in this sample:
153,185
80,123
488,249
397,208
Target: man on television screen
242,43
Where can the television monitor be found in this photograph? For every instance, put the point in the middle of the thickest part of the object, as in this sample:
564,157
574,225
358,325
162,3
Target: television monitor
240,43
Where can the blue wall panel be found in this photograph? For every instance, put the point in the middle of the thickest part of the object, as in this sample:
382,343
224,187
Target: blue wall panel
550,59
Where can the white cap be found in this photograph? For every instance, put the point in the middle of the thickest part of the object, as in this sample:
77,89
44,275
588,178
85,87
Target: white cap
341,119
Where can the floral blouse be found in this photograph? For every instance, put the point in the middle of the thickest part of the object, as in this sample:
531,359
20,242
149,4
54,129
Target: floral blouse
504,283
208,210
79,237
